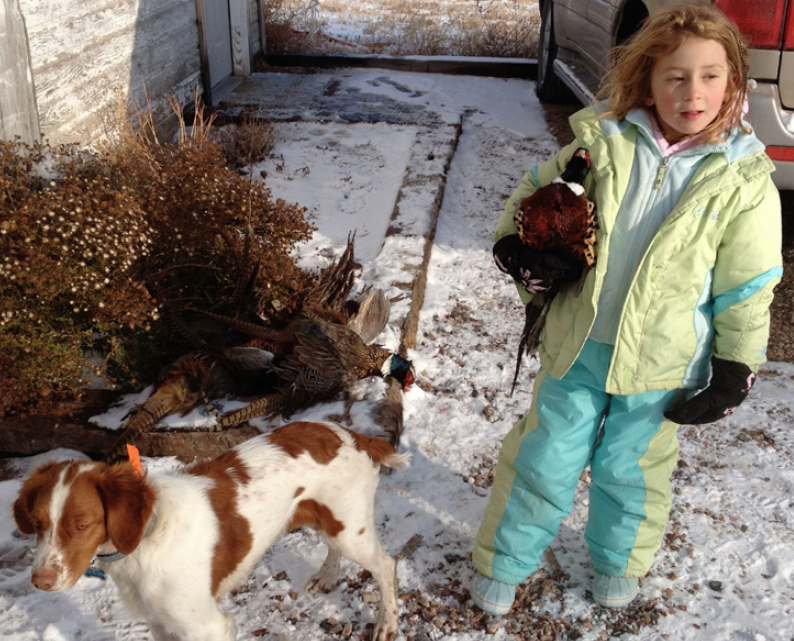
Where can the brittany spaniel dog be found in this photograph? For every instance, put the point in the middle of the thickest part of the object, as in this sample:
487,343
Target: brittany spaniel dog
174,542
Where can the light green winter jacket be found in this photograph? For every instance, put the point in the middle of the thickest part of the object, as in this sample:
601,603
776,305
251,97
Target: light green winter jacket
703,286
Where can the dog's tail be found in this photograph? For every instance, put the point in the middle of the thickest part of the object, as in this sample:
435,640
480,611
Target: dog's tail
380,451
397,461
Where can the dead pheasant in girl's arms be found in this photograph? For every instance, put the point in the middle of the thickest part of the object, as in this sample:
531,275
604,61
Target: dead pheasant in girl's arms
554,247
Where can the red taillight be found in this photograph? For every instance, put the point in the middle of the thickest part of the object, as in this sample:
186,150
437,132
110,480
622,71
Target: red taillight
760,21
776,152
788,36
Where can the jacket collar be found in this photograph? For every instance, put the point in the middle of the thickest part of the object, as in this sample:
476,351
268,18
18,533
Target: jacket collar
645,123
736,146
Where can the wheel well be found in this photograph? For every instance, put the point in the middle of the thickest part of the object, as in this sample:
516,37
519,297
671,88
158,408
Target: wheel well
634,12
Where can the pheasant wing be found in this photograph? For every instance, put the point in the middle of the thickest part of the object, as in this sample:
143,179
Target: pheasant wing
314,367
371,316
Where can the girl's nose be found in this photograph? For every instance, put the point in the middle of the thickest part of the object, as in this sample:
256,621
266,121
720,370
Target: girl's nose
691,90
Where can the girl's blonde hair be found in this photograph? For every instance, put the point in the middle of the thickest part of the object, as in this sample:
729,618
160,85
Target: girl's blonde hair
627,84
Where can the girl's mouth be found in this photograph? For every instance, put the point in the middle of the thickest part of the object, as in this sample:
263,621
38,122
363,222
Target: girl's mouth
691,115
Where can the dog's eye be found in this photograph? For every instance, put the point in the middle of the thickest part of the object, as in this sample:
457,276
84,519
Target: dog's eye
82,527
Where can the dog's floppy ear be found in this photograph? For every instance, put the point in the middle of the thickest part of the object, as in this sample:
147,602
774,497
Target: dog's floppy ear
22,506
129,500
29,494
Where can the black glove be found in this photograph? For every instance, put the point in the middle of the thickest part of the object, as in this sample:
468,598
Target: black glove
729,386
536,271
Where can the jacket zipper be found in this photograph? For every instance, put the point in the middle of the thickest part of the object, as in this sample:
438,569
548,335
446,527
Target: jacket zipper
660,174
627,382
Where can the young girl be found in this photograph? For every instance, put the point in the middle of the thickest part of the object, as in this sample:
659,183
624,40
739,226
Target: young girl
688,249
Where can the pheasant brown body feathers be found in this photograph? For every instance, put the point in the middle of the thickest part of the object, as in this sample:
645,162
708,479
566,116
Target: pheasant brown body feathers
324,349
558,219
555,219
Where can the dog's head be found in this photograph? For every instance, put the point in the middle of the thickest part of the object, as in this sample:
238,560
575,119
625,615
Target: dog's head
74,507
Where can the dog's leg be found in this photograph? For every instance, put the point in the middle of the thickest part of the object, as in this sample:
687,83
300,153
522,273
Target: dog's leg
159,633
365,549
196,624
327,576
385,573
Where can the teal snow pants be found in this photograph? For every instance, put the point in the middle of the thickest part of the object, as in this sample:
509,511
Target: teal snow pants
632,452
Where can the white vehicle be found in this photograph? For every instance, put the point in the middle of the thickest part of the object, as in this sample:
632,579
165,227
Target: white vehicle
577,36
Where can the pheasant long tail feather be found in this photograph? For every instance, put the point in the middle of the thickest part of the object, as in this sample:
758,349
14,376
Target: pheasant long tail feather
252,329
211,409
246,294
182,330
336,281
265,405
146,418
535,319
577,286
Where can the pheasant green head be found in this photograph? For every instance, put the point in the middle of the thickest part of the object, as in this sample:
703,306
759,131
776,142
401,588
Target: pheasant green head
401,370
577,167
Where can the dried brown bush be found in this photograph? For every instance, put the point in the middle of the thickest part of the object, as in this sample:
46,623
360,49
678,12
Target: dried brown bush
289,24
507,29
95,254
246,143
67,245
498,28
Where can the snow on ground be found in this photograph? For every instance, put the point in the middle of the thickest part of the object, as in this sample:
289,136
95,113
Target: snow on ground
726,571
386,27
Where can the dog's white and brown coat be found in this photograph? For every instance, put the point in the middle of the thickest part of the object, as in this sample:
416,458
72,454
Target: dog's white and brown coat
191,536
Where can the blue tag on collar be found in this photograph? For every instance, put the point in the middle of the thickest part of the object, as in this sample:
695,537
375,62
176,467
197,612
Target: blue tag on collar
95,573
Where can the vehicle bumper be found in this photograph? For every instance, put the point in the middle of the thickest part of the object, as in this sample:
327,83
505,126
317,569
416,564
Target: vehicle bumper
767,118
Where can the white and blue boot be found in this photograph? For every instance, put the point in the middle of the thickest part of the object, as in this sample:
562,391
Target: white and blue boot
491,595
614,591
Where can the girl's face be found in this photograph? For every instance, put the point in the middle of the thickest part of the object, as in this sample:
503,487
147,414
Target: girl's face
688,87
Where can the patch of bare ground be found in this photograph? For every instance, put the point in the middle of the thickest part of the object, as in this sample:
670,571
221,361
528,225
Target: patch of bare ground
543,610
556,116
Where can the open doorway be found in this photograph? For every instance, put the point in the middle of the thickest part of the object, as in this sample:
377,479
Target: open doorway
493,28
224,44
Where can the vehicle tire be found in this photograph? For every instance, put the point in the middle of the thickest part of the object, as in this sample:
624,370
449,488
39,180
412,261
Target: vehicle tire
548,86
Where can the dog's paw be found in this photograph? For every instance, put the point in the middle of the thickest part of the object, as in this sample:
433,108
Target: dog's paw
385,626
323,582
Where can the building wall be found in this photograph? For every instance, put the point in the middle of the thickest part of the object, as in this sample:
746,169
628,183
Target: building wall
87,55
18,115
